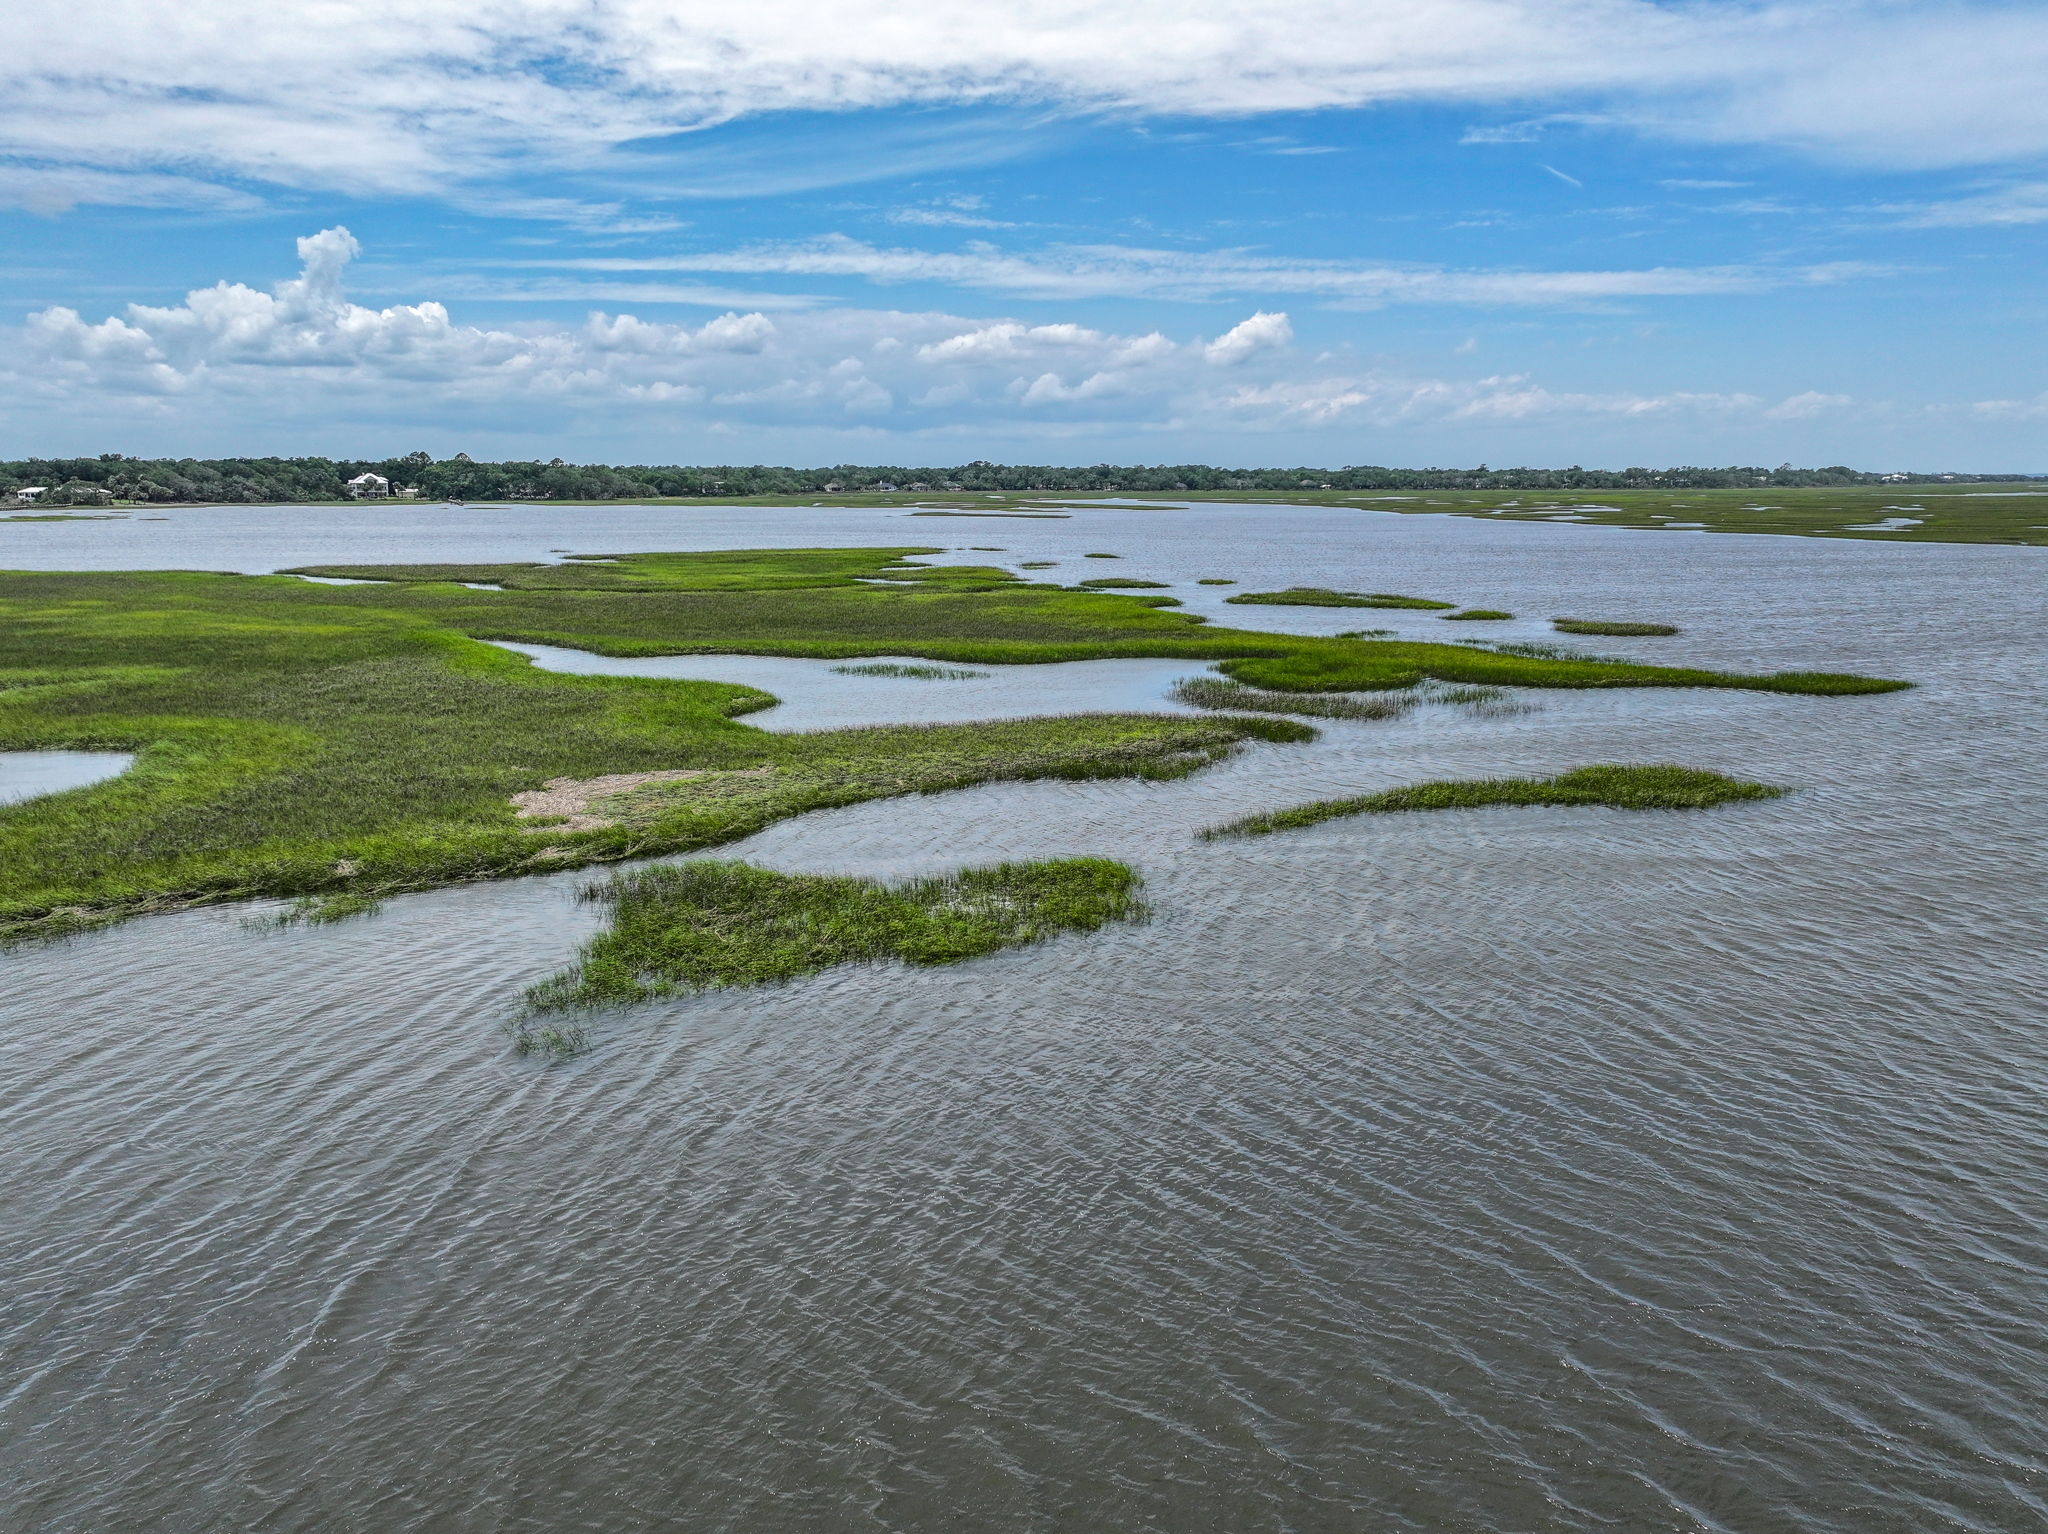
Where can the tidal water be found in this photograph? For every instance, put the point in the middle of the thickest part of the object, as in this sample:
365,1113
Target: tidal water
1518,1171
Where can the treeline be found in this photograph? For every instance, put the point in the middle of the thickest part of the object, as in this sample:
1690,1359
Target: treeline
113,476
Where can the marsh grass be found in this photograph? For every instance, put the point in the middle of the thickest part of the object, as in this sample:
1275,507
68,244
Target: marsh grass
1225,695
1616,785
1120,583
320,910
1594,626
1102,556
898,668
1039,564
1215,581
1368,634
555,1041
705,924
1319,596
1486,614
295,739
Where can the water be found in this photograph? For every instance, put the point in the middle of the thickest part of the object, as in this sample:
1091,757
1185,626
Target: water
1516,1171
29,774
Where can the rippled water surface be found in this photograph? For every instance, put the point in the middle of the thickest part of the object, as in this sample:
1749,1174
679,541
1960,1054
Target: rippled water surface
1512,1171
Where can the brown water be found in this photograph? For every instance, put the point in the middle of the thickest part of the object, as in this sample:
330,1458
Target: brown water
1516,1171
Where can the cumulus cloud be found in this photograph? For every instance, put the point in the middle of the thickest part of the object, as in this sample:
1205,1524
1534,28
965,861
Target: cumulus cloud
1249,337
305,346
1116,271
418,95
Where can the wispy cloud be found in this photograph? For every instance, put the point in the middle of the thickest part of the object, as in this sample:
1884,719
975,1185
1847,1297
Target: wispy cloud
1096,271
2021,202
413,96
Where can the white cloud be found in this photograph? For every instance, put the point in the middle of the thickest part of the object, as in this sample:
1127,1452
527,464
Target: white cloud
1249,337
305,351
2024,202
1099,271
417,96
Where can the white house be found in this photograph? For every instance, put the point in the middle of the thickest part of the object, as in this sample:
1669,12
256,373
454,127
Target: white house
368,486
28,493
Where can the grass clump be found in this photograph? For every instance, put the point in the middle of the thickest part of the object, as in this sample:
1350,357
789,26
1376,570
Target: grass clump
1039,564
1215,581
1121,583
1368,634
1222,693
555,1041
321,910
898,668
1320,596
1594,626
1657,786
1102,556
707,925
1487,614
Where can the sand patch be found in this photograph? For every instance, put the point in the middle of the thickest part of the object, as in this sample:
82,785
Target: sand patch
572,804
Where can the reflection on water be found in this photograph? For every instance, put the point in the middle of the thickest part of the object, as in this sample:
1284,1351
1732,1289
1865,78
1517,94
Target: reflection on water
816,697
1524,1170
28,774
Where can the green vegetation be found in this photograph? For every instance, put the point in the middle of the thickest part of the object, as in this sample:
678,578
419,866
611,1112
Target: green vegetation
297,739
1318,596
1613,784
1102,556
1121,583
1215,581
1832,502
557,1041
703,925
1221,693
1368,634
1487,613
897,668
1593,626
1038,564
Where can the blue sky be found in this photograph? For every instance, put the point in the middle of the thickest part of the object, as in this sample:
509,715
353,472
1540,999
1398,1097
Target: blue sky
1273,231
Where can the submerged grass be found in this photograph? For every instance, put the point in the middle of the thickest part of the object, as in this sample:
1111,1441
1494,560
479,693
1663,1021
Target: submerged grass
897,668
1224,694
295,739
1656,786
1594,626
706,925
1120,583
1320,596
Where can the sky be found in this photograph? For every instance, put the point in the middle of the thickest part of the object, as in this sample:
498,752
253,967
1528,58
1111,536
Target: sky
1244,232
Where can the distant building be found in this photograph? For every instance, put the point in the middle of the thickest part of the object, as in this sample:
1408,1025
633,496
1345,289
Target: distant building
368,486
28,493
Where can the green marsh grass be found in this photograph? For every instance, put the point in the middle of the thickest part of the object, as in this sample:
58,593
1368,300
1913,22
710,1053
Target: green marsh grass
1319,596
1223,694
1594,626
555,1041
704,925
1120,583
897,668
295,739
1102,556
1215,581
1616,785
1487,614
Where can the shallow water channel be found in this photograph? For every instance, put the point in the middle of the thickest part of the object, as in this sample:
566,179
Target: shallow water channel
31,774
1519,1171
